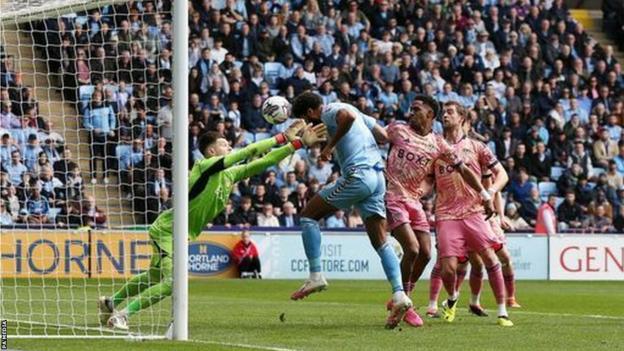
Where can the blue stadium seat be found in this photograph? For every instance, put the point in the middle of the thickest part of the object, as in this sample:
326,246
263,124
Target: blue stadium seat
597,171
556,172
547,188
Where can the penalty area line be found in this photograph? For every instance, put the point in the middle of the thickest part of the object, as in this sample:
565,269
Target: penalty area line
555,314
244,346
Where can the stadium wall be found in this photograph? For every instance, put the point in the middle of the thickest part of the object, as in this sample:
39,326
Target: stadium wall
347,255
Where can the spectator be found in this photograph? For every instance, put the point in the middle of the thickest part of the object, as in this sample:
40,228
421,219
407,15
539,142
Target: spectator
260,197
619,159
541,163
618,222
37,206
6,148
354,220
530,206
245,256
16,169
337,220
546,223
614,177
282,197
51,188
31,153
266,218
599,221
516,222
521,187
100,120
245,215
92,215
569,179
604,149
300,197
289,217
5,216
569,212
321,171
7,119
581,157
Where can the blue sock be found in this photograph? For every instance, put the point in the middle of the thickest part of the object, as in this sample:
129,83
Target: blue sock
391,266
311,236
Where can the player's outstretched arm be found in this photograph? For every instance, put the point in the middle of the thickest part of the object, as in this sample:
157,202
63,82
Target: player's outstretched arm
262,146
311,136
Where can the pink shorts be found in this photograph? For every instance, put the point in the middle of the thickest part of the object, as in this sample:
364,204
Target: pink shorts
400,212
456,237
497,229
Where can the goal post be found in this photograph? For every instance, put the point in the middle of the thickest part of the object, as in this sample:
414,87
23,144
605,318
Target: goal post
180,171
74,220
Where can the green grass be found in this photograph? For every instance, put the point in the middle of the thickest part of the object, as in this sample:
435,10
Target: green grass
351,314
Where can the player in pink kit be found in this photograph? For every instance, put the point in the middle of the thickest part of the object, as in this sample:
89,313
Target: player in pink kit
499,226
414,149
460,224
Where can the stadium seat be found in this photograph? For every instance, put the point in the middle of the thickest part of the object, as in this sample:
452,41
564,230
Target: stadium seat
558,201
556,172
271,73
598,171
547,188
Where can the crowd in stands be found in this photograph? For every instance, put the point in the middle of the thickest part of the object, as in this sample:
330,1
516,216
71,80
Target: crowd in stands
40,184
542,94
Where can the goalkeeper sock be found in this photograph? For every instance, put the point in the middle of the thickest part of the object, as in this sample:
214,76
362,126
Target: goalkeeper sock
311,235
149,297
134,286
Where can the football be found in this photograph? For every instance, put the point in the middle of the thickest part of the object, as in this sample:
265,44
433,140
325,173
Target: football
276,109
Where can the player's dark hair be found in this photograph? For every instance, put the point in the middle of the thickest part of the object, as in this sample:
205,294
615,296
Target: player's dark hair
208,139
431,102
303,102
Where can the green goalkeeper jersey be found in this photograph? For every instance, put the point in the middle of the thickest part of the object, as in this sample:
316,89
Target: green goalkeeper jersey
210,184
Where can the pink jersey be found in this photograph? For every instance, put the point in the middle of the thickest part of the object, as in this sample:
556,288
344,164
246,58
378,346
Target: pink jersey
455,199
411,159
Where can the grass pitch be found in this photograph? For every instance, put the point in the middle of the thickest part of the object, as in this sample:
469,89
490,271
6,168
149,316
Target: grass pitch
245,315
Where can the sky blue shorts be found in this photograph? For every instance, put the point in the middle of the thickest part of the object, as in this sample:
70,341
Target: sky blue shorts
363,188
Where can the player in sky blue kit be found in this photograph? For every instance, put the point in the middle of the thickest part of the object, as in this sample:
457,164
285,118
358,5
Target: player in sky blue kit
353,141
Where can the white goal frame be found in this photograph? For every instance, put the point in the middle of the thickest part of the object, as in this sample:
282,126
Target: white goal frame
16,12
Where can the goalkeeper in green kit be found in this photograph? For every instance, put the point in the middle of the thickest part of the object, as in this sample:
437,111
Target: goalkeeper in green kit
210,183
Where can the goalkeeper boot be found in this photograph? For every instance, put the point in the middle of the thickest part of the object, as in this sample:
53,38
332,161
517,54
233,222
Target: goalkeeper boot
400,305
118,321
310,286
105,309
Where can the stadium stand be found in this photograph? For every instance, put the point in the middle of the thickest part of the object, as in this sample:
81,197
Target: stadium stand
542,94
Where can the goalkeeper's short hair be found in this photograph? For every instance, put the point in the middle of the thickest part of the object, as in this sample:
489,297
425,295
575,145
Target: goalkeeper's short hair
208,139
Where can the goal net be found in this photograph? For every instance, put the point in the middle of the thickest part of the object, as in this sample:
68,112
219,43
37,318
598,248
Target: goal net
85,147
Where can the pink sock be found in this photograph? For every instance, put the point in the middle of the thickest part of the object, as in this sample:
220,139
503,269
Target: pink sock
510,285
461,275
435,284
495,276
476,281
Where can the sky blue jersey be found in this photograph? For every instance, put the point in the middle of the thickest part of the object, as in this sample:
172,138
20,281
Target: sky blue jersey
358,147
